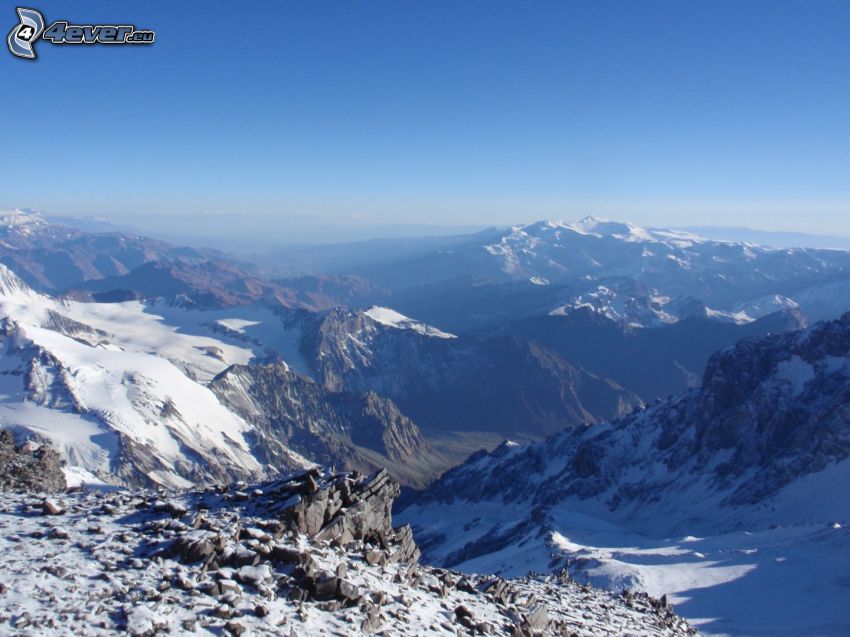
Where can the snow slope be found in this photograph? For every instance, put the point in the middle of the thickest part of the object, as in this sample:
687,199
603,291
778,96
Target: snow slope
391,318
117,389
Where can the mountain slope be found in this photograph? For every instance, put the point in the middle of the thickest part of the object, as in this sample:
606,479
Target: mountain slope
676,353
504,384
124,392
364,432
112,408
749,471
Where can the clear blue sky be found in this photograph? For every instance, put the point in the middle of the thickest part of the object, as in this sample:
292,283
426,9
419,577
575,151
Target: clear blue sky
467,112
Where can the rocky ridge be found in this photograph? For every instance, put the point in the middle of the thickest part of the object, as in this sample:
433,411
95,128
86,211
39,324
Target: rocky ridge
313,554
29,466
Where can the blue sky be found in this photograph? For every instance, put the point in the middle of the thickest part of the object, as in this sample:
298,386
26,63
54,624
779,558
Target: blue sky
460,112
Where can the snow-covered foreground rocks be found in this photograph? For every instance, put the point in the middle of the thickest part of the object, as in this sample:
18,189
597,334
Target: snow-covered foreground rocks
314,554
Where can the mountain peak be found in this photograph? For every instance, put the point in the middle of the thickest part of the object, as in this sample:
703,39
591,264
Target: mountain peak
604,228
19,217
592,226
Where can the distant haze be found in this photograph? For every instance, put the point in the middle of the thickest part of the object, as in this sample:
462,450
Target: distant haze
253,233
772,239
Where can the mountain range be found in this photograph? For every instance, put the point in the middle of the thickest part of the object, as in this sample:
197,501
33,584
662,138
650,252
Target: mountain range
655,411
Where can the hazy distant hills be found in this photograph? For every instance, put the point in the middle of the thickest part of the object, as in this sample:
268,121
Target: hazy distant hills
218,283
91,260
53,257
465,283
676,353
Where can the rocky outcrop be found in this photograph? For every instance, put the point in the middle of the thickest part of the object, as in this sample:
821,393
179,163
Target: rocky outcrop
29,467
339,508
347,508
74,329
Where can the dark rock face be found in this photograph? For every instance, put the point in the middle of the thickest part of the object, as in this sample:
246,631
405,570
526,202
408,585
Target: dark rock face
781,404
362,432
503,384
29,467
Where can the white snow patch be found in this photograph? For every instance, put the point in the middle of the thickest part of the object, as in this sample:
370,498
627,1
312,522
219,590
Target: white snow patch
795,371
391,318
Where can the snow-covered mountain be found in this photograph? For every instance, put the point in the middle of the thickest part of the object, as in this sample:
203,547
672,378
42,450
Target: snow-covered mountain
636,275
115,391
145,393
388,316
727,498
673,262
